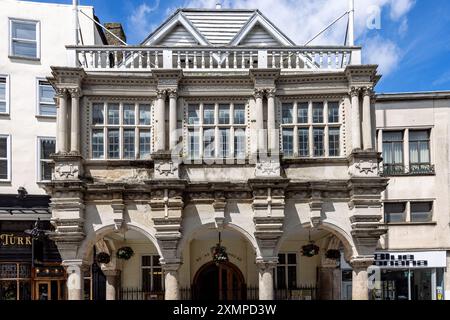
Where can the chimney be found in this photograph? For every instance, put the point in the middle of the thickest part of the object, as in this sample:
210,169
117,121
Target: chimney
117,30
218,5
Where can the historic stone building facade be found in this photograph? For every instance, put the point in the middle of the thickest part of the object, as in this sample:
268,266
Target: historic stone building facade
217,124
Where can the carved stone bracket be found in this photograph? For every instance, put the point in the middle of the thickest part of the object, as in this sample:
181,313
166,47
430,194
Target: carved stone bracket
269,168
219,205
364,164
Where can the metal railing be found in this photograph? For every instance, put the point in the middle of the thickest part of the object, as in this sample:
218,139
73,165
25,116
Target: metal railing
299,293
411,170
246,294
138,294
119,58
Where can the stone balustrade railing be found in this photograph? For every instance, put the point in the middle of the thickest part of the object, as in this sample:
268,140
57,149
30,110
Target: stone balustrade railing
116,58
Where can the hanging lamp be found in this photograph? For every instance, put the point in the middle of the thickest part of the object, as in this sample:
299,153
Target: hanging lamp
310,250
219,252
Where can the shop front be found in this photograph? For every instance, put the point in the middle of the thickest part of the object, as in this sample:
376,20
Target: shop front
30,269
403,276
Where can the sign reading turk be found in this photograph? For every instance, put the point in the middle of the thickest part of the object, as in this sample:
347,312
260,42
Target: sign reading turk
11,239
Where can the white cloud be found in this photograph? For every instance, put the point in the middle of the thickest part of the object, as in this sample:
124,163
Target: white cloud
303,19
383,52
140,24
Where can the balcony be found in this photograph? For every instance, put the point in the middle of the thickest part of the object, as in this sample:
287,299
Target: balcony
140,58
396,170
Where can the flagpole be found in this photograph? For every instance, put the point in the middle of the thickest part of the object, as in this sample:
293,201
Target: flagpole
351,23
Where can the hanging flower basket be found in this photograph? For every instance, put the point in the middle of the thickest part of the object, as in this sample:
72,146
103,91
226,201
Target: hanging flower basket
103,257
219,254
333,254
310,250
125,253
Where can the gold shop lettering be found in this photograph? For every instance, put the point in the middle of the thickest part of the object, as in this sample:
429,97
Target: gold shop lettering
10,239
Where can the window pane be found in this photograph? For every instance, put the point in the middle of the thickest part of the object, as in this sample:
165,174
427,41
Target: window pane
194,144
395,212
224,114
208,114
318,135
128,114
47,148
146,261
193,114
281,277
333,112
389,136
224,143
3,147
318,112
2,95
46,171
97,144
157,279
281,258
46,93
47,110
419,135
113,113
333,139
292,277
24,49
144,114
97,113
302,112
287,113
113,144
292,258
2,106
155,260
303,142
288,142
239,114
239,144
146,280
421,211
144,143
209,143
24,31
3,169
128,144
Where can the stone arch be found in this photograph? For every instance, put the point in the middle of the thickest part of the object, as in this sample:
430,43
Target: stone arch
188,237
105,229
337,231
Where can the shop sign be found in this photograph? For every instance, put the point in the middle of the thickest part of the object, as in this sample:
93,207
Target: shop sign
411,260
12,239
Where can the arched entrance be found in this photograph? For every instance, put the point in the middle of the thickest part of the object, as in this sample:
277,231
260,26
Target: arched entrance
219,282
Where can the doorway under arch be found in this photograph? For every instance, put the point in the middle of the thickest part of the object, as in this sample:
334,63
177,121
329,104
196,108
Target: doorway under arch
222,281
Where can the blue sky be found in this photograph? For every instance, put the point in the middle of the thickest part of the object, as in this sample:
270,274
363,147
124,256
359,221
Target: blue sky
411,43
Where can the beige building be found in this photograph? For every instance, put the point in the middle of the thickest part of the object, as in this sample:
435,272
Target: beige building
218,159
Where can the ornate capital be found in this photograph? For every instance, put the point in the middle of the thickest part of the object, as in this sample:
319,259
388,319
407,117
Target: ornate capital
271,92
60,92
74,92
354,91
367,91
266,264
258,93
173,93
161,94
359,263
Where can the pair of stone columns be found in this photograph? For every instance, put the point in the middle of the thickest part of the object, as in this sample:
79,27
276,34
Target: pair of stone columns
160,117
366,118
62,121
271,129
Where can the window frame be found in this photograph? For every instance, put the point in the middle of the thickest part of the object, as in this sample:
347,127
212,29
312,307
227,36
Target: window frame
151,267
105,127
38,99
417,142
198,129
39,159
38,38
286,266
8,157
310,125
7,95
408,212
422,201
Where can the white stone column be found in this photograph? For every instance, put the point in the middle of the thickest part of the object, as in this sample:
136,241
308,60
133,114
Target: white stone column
173,118
259,119
75,121
360,290
272,138
160,141
111,283
356,119
61,121
265,271
447,278
75,279
171,282
367,119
